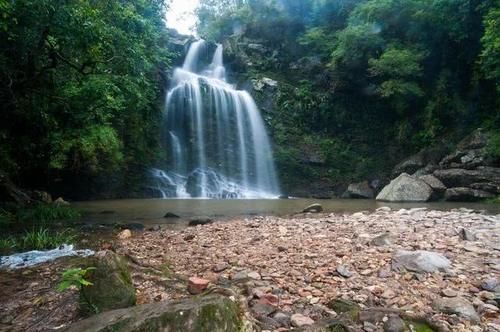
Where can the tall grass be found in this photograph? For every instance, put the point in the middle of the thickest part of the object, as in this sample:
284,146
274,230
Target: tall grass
7,245
42,238
47,213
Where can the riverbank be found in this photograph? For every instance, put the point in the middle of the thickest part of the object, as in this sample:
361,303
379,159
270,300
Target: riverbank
300,264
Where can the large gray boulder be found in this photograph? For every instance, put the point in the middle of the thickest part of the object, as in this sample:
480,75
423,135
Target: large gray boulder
462,194
198,314
406,188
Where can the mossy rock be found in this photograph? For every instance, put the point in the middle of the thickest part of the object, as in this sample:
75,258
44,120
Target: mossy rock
418,325
345,308
199,314
111,287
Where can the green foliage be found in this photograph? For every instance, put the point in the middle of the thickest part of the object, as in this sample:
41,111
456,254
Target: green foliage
490,55
43,238
46,214
398,67
494,145
81,87
7,245
97,148
394,76
74,277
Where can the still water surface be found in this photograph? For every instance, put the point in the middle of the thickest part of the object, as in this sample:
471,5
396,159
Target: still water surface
153,210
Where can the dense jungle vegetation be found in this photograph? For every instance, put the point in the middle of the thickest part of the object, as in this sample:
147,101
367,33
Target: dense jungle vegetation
362,84
80,88
365,83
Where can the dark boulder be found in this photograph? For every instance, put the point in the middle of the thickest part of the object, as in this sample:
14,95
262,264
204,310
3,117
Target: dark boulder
470,153
170,215
458,177
359,190
462,194
429,156
197,221
314,208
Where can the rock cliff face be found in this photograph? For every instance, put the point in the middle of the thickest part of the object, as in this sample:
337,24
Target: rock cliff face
469,173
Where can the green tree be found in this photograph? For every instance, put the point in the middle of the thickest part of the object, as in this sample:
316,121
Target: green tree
81,86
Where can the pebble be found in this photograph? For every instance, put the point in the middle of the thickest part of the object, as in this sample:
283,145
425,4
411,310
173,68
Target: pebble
449,292
344,272
125,234
220,267
490,284
299,320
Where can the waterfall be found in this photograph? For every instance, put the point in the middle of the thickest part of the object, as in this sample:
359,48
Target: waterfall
216,141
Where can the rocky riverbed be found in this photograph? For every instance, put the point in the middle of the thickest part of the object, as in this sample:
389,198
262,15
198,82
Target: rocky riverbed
431,268
298,265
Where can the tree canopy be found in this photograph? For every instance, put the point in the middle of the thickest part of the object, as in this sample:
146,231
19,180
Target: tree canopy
80,87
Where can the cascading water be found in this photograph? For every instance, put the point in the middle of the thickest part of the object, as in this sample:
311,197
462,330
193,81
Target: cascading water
215,136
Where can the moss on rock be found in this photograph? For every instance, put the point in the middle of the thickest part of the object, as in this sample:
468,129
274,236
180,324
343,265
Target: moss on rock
198,314
111,287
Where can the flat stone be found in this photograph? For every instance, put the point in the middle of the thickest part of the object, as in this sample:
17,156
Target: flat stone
220,267
254,275
242,275
369,327
385,272
262,309
197,285
344,272
490,308
420,261
449,292
282,318
388,294
382,240
457,306
394,324
299,320
270,299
